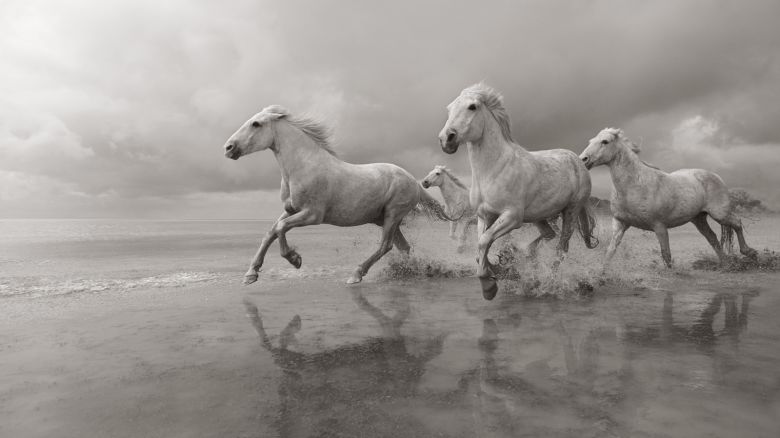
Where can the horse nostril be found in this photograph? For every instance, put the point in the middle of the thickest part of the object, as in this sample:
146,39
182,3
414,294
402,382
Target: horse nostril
230,147
584,159
451,136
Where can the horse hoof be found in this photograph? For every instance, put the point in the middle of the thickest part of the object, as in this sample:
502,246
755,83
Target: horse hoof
489,287
249,279
354,279
295,260
752,254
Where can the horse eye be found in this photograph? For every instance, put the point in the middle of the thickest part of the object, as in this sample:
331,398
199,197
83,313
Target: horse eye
256,124
472,107
604,142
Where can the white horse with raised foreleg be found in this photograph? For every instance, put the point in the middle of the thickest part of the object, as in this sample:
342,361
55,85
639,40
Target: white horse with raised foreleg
650,199
456,201
318,188
510,185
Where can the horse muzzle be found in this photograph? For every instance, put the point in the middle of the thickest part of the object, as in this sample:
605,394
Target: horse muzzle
450,147
587,162
232,151
425,184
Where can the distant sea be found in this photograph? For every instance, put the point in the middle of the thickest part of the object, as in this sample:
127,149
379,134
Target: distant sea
56,257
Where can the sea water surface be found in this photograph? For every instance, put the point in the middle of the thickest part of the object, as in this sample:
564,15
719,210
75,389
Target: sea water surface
650,352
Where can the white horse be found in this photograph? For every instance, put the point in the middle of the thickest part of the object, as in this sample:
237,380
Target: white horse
511,185
651,199
456,201
318,188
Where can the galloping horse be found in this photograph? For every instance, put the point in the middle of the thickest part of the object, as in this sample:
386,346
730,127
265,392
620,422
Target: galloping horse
651,199
456,201
318,188
511,185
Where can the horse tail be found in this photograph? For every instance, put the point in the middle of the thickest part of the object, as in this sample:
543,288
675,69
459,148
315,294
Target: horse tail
587,223
727,238
431,207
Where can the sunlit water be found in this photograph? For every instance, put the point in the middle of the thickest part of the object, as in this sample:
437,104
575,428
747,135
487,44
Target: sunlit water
647,352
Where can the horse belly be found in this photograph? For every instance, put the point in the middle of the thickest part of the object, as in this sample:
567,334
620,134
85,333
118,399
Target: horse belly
353,212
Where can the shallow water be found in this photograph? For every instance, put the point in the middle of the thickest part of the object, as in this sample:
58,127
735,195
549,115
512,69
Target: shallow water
433,359
144,333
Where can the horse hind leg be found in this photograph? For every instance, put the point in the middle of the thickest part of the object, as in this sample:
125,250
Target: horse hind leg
727,239
464,234
700,221
546,232
388,237
731,220
400,243
567,229
663,239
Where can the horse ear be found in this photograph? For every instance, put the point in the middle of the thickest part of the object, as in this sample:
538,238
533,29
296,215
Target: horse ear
277,111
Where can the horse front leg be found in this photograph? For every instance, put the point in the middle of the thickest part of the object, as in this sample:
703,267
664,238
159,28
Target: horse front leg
257,261
300,219
618,230
506,222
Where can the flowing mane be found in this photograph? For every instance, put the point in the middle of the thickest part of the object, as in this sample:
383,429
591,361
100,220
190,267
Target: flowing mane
315,130
452,176
619,135
494,102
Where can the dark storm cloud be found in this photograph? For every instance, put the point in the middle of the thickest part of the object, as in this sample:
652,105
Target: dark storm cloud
132,100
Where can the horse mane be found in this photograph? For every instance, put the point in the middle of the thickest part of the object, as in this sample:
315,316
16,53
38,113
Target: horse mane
315,130
632,146
452,176
494,102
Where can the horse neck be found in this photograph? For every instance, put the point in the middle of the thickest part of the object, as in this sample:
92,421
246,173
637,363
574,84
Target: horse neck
491,149
452,193
626,168
296,153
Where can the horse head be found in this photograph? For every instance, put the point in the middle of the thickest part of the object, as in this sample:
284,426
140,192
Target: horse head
434,178
256,134
468,115
602,148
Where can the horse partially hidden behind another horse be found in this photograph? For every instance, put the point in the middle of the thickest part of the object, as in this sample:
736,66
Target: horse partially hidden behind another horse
511,185
456,201
317,187
651,199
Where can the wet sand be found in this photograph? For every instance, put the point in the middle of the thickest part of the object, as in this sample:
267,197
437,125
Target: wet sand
652,352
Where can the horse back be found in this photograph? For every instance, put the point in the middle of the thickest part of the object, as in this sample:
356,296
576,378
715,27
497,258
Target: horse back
672,199
560,180
356,194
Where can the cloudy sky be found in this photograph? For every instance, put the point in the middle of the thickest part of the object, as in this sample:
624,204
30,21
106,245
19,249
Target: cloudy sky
121,108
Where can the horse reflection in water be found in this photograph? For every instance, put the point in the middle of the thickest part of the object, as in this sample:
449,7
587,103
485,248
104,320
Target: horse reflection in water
702,332
596,378
541,399
339,392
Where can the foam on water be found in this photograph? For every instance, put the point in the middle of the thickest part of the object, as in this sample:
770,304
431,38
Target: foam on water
41,286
